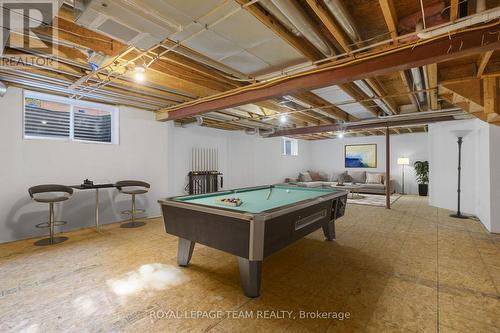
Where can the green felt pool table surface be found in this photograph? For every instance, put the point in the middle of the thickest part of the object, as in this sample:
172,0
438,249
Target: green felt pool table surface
256,200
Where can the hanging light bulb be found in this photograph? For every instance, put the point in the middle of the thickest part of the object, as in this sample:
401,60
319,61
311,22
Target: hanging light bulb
283,119
140,73
340,135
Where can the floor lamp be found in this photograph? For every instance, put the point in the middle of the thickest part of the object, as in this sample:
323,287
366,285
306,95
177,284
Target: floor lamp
460,134
403,161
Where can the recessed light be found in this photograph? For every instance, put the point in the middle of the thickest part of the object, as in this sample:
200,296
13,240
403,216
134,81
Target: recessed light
140,73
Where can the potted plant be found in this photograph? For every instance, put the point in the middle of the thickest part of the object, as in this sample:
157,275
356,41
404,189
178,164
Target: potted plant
422,172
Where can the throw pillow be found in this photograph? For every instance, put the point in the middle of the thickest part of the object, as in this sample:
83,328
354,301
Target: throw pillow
323,176
344,178
374,178
314,176
305,177
358,176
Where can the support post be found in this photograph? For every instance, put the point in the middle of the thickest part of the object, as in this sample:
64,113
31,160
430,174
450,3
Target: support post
387,168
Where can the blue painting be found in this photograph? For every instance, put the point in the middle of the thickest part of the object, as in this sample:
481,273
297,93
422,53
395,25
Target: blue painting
361,156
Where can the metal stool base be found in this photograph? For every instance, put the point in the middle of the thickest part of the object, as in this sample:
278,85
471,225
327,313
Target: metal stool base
47,241
132,225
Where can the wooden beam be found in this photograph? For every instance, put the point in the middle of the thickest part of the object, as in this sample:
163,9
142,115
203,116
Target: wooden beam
483,62
432,74
300,44
325,17
390,17
491,99
384,62
454,6
356,94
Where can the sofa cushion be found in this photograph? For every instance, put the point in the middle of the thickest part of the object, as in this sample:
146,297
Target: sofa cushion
324,176
314,176
358,176
374,186
374,178
311,184
304,176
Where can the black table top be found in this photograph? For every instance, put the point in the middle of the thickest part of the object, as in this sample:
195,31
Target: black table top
92,187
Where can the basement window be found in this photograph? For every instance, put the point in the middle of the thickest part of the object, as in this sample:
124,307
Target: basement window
290,147
53,117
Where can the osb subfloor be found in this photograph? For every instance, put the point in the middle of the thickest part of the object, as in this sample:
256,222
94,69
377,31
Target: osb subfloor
410,269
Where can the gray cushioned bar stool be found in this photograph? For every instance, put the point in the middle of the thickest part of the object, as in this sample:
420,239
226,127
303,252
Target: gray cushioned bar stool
132,187
50,193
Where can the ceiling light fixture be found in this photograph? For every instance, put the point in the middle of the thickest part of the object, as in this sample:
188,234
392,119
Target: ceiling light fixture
340,135
140,73
283,119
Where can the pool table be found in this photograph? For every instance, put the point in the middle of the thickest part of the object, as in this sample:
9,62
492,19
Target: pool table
269,218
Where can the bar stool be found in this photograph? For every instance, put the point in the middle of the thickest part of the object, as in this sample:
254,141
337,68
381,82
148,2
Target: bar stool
132,187
50,194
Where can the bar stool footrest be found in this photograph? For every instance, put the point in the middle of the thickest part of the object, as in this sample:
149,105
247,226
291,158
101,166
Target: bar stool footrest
47,224
129,211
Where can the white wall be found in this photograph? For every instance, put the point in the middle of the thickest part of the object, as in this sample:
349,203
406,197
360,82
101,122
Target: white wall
141,154
328,155
245,160
480,182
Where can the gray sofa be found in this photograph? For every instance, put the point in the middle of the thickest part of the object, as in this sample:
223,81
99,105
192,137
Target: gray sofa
368,185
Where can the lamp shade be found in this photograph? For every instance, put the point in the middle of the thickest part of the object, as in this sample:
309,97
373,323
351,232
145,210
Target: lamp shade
460,133
403,161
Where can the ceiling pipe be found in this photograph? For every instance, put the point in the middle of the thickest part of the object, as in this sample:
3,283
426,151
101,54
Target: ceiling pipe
3,89
344,19
299,21
462,23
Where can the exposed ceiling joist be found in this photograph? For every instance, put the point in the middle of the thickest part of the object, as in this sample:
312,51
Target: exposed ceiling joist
483,62
454,7
383,62
330,24
390,17
432,74
491,99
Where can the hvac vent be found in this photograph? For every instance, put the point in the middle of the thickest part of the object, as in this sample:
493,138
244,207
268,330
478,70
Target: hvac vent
136,23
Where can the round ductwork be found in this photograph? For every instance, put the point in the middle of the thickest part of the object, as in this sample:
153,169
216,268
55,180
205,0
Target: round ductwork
3,89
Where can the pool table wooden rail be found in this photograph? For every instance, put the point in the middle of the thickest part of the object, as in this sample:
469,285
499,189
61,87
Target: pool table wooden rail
249,236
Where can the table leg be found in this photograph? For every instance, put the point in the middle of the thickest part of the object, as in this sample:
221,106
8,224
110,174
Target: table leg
97,209
329,230
184,251
250,275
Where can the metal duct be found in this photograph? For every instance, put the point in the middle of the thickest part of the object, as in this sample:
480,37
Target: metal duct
418,83
344,19
299,21
3,89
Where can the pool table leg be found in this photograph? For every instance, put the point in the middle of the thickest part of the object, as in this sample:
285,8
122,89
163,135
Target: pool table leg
184,251
250,275
329,230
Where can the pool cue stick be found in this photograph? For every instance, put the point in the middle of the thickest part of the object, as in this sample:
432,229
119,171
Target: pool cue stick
270,191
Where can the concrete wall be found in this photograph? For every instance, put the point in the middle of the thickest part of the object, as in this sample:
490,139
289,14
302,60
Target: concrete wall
328,155
141,154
